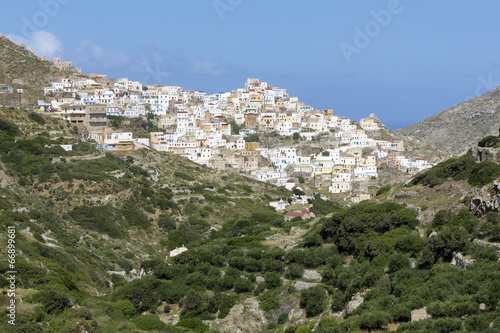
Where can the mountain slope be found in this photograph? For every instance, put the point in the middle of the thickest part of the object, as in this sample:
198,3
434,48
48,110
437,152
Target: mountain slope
20,68
93,233
456,129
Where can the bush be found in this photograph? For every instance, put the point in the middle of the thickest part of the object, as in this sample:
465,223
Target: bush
383,190
269,300
374,320
442,217
313,300
476,323
38,237
183,175
149,323
194,324
37,118
167,222
489,141
242,285
125,307
54,302
282,318
398,261
295,271
484,173
273,280
98,218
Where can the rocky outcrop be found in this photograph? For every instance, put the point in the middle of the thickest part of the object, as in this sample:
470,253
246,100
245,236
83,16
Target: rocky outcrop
355,302
419,314
311,275
245,317
486,154
484,244
459,261
303,285
480,207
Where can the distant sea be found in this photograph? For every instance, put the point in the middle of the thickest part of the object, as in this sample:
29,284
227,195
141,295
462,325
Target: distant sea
396,124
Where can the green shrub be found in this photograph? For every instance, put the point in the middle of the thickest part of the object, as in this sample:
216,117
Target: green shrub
269,300
489,141
476,323
183,175
125,307
167,222
374,320
194,324
383,190
313,300
484,173
242,285
149,323
37,118
38,237
54,302
98,218
295,271
273,280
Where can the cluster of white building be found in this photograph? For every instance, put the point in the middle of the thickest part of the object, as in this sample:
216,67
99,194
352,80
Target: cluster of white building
220,130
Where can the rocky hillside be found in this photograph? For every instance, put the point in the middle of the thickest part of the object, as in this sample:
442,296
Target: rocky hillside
20,68
458,128
415,147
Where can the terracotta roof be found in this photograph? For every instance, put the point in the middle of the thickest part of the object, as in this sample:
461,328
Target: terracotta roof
296,213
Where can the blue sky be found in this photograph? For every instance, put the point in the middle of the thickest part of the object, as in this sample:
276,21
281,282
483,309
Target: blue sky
402,60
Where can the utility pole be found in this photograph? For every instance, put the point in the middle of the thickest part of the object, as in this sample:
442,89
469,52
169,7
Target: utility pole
19,91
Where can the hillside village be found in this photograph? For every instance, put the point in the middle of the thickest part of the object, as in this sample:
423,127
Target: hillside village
117,231
222,130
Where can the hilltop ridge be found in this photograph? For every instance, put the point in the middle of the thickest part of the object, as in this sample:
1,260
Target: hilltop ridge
456,129
21,68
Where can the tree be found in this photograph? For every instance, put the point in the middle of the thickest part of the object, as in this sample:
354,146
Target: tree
398,261
489,141
149,323
374,320
269,300
296,136
252,137
273,280
54,302
242,285
313,300
295,271
298,192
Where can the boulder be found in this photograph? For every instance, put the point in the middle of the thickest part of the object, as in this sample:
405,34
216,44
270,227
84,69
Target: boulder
355,302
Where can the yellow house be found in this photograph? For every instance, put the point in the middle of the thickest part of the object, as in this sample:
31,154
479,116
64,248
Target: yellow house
166,122
157,137
282,117
251,145
355,151
323,170
368,161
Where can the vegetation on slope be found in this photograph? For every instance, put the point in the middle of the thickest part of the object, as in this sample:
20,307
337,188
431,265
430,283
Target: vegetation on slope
90,219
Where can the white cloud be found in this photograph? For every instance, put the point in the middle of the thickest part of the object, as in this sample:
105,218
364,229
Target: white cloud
90,53
210,68
44,43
